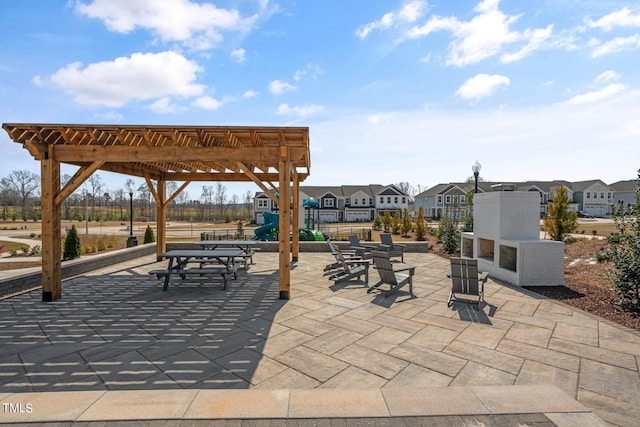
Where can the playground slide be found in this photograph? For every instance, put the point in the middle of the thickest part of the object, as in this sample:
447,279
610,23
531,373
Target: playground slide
265,232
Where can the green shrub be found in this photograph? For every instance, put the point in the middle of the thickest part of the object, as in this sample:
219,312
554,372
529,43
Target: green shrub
625,254
570,239
421,227
35,250
240,230
72,245
148,236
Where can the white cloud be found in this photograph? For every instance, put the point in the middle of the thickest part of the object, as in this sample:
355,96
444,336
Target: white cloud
142,76
278,87
163,106
621,18
536,39
597,95
607,76
250,94
485,35
310,71
407,14
207,103
239,55
198,25
482,85
300,111
378,118
614,45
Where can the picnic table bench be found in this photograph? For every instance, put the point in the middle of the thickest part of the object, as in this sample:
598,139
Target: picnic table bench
218,262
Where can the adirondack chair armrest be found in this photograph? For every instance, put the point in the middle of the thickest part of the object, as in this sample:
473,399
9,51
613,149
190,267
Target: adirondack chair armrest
410,268
400,245
358,261
483,276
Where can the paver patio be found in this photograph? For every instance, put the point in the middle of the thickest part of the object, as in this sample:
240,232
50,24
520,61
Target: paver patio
115,330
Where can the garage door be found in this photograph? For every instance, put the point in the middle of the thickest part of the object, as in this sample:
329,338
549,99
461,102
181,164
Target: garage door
328,216
357,216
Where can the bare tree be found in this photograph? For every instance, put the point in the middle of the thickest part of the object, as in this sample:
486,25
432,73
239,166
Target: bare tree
24,184
221,198
95,187
247,203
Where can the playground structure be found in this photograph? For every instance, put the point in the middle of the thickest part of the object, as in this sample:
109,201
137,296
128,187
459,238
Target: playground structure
269,231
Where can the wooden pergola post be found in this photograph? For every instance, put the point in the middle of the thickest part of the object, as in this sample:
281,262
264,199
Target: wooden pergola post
51,228
161,217
295,249
284,167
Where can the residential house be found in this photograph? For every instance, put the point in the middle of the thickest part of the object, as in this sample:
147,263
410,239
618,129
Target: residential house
450,197
594,197
625,192
345,203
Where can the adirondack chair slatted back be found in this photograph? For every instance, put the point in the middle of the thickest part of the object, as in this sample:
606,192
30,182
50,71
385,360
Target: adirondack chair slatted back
464,276
385,239
384,267
353,240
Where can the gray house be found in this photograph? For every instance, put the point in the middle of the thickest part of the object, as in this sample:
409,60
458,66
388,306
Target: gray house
446,197
594,197
344,203
625,191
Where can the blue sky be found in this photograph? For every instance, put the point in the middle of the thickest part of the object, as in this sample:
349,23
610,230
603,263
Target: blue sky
392,91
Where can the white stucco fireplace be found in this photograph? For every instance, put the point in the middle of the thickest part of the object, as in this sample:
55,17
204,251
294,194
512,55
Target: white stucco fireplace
506,240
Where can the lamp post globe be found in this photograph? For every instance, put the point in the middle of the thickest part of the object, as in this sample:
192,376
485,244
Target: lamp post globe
476,172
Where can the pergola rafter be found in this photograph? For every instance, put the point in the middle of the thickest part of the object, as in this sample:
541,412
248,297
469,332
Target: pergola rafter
263,155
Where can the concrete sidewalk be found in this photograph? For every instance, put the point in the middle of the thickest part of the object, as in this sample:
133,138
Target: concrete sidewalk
116,347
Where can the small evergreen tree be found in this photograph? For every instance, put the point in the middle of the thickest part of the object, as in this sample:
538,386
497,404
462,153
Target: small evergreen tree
407,225
386,221
395,222
625,253
448,231
148,236
468,213
377,222
560,220
240,230
421,227
72,247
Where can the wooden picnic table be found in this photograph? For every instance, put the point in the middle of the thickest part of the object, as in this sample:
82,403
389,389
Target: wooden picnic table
247,246
209,262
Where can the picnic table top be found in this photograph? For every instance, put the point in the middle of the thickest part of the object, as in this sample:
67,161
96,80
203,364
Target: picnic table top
201,253
227,242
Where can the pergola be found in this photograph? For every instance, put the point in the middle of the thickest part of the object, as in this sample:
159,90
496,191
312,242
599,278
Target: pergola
275,158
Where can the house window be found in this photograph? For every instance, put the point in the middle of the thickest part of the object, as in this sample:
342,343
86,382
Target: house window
389,199
404,200
370,201
447,199
395,200
602,194
463,199
381,200
588,194
364,202
439,198
263,203
328,203
595,194
355,202
609,196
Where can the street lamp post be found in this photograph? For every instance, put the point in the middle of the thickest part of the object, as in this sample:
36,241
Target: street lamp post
476,171
132,240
